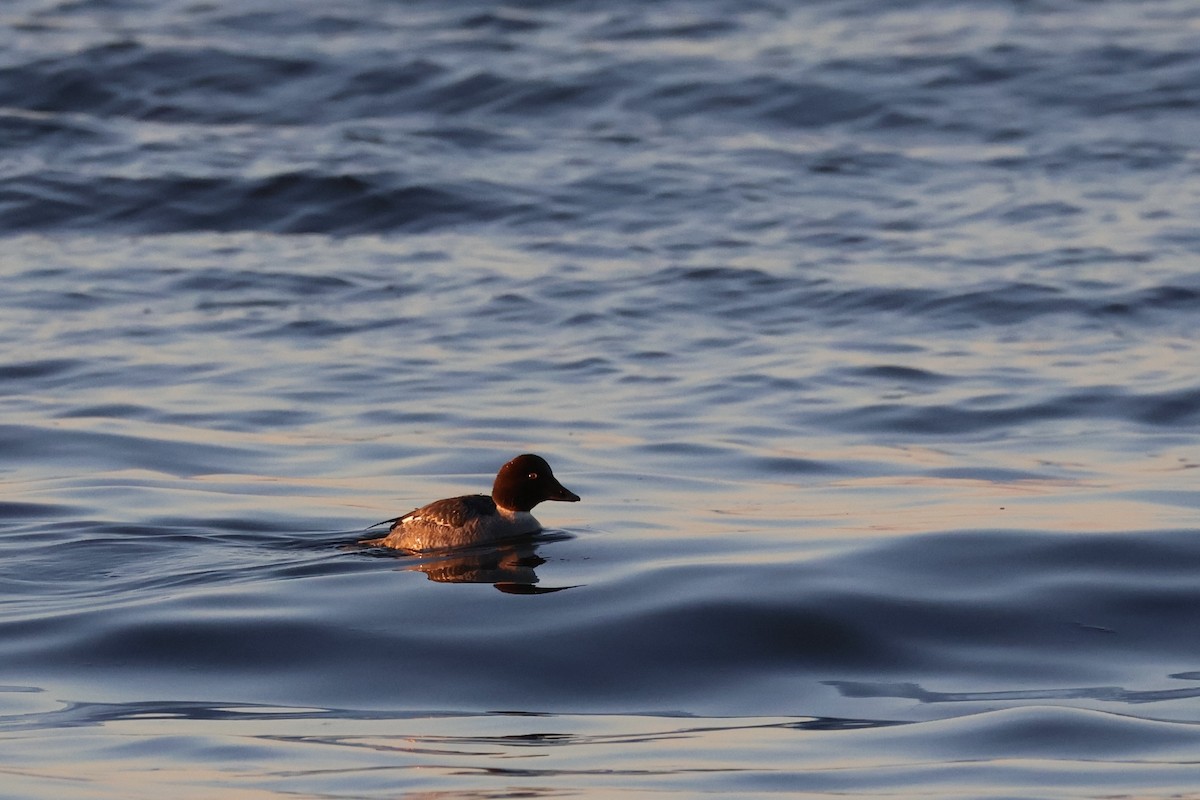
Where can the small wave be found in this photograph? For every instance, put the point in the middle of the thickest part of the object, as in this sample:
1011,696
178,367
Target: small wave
128,78
103,450
761,98
45,368
1168,409
300,202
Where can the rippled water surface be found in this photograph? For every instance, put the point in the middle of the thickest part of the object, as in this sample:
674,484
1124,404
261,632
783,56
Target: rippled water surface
866,332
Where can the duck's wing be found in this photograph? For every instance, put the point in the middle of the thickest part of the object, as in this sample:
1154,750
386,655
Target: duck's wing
453,512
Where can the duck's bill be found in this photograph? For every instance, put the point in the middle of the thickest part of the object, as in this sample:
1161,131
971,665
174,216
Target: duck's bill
565,494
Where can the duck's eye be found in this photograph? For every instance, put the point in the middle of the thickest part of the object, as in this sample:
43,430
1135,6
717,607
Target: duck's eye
533,476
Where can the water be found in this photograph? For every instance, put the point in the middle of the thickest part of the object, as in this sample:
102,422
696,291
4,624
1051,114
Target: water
867,335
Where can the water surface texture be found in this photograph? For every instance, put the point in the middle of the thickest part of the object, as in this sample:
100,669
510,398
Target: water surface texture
866,332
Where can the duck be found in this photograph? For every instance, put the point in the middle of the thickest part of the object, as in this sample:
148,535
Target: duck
472,519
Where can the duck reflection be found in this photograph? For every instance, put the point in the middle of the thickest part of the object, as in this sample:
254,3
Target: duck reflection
509,566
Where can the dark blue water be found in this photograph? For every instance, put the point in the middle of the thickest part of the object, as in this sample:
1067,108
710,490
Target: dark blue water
867,333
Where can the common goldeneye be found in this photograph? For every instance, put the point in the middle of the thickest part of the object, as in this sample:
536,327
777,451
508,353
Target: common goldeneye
477,518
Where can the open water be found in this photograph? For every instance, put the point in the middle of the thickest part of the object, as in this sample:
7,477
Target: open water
866,331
